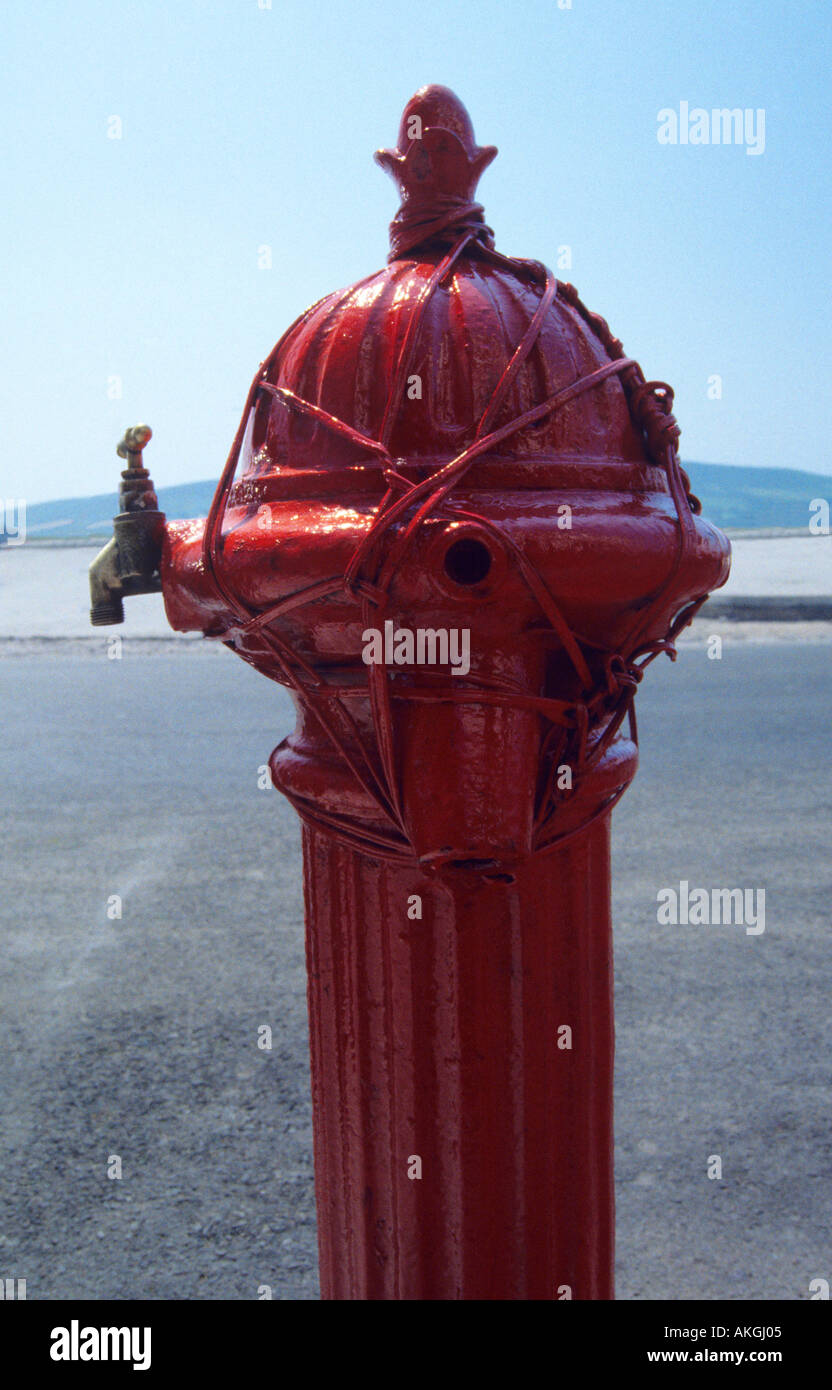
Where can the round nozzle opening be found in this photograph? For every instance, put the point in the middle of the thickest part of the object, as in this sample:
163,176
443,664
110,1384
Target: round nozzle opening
467,561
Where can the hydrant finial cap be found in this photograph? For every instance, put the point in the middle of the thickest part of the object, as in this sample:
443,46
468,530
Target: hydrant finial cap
437,165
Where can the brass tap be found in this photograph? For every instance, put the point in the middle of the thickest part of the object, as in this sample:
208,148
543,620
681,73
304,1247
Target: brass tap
129,562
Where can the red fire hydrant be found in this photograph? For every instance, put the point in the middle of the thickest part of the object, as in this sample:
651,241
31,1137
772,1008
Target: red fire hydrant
453,522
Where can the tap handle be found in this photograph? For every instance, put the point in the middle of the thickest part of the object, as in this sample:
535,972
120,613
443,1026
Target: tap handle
131,446
136,491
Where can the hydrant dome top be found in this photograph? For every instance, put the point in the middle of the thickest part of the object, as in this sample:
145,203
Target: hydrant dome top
417,351
343,354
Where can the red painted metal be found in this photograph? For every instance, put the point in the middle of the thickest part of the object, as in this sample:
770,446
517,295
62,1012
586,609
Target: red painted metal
439,1039
454,444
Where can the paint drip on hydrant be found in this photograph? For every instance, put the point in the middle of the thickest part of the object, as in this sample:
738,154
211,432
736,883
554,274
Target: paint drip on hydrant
454,524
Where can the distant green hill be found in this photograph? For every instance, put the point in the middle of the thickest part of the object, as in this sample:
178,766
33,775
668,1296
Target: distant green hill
756,498
752,498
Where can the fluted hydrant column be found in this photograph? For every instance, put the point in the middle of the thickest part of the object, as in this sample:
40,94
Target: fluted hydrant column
462,1061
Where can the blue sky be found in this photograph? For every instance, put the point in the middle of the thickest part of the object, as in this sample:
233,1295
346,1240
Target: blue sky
245,126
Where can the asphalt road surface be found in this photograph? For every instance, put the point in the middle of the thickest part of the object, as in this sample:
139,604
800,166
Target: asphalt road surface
136,1037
